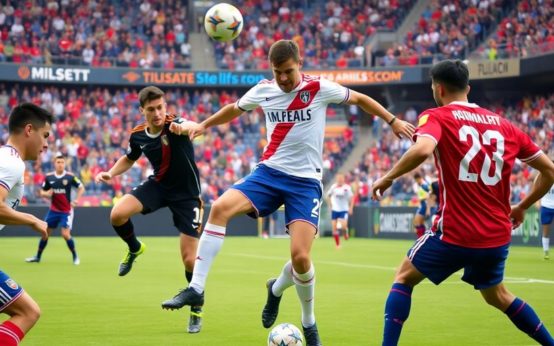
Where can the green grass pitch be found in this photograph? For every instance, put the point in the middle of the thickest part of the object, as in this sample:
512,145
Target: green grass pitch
90,305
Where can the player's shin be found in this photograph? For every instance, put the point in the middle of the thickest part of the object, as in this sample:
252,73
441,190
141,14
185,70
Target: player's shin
397,310
284,280
525,318
10,334
305,288
209,245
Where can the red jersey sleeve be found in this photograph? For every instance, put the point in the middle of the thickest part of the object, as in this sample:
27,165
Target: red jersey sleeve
528,150
428,125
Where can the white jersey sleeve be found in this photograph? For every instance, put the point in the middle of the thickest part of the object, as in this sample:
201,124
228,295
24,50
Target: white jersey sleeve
334,92
253,97
11,176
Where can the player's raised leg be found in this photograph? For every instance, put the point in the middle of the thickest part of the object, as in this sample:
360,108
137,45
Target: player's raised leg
519,312
231,203
24,312
126,207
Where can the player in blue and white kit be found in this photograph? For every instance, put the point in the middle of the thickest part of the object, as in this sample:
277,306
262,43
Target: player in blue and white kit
29,127
341,201
289,173
57,186
547,215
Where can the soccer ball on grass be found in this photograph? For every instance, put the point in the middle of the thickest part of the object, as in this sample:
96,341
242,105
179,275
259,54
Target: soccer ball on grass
285,334
223,22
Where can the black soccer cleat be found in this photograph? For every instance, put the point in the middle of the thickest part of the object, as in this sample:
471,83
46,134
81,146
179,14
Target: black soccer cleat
311,335
188,296
271,308
127,263
195,320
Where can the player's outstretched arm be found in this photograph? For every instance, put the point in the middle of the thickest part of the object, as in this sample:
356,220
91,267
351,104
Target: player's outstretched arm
80,193
9,216
121,166
222,116
540,187
399,127
414,157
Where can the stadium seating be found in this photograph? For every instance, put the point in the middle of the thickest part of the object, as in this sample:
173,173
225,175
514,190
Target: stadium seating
140,34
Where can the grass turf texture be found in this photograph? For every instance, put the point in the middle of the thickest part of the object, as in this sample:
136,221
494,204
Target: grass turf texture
90,305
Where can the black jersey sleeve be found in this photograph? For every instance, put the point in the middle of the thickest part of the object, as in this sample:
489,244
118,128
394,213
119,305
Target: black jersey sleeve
134,151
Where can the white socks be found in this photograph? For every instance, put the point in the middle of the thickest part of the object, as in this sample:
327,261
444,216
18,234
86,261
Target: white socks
209,245
545,243
305,287
284,280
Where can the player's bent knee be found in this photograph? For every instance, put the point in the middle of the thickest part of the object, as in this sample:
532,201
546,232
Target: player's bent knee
301,261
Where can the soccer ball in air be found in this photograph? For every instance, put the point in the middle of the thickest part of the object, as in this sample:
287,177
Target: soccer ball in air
223,22
285,334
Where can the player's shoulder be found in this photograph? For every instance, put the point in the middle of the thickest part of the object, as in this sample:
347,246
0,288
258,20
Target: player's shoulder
139,128
50,174
9,154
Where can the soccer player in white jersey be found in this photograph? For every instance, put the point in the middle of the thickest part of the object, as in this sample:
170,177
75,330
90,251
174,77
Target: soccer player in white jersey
547,215
341,201
289,173
29,126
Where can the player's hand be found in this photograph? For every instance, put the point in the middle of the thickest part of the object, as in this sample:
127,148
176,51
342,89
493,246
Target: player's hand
74,203
403,129
104,177
195,130
41,227
48,193
517,215
179,129
379,187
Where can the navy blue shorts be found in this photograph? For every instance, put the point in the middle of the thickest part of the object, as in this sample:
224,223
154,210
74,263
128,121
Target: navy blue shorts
339,215
547,215
437,260
422,208
9,290
268,189
57,218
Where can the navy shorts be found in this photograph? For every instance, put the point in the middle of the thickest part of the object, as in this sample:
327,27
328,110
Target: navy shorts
187,212
339,215
547,215
268,189
422,210
57,218
9,290
437,260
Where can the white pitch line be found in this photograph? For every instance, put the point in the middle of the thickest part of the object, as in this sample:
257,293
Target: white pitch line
507,279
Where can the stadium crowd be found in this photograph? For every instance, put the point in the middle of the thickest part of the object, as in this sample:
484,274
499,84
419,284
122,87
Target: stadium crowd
331,34
534,115
92,128
131,33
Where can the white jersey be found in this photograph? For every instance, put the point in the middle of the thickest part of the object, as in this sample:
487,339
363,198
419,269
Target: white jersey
295,123
11,175
340,197
547,200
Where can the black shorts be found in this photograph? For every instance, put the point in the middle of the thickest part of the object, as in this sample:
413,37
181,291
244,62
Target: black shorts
187,212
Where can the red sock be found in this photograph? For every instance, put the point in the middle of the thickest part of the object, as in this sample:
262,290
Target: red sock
10,334
420,230
337,238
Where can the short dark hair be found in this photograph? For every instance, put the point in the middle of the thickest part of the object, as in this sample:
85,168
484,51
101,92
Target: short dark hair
417,175
452,73
149,93
282,51
28,113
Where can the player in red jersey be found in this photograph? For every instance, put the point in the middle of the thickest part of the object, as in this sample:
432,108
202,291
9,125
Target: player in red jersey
474,152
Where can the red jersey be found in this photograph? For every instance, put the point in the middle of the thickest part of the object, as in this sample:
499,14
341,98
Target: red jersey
475,153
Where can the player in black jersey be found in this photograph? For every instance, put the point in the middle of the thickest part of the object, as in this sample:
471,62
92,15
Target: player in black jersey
175,184
57,186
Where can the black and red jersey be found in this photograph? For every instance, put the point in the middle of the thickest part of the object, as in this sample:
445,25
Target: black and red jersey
61,186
